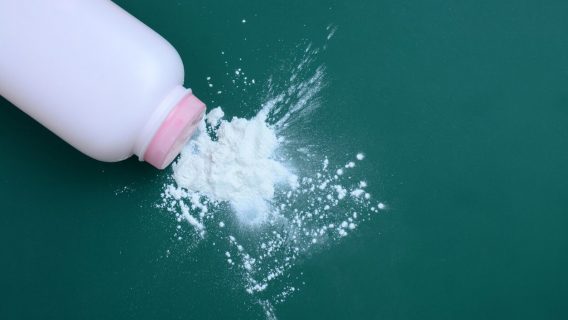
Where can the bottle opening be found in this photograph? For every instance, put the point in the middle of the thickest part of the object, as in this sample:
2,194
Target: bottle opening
174,132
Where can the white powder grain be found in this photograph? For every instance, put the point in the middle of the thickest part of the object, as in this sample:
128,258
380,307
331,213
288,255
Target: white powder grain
357,192
341,192
214,116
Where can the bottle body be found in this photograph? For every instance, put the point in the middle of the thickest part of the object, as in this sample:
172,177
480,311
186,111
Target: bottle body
90,72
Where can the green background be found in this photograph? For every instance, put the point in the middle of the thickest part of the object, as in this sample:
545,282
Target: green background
460,106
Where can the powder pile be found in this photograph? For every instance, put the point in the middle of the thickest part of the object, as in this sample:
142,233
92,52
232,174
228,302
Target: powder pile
238,167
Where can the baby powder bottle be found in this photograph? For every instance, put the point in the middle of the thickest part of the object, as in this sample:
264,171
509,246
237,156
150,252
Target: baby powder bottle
97,77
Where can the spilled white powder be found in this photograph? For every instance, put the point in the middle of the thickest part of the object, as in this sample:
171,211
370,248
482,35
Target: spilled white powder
274,180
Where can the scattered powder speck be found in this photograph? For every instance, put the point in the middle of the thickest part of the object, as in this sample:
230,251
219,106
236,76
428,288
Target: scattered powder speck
214,116
285,194
357,192
331,31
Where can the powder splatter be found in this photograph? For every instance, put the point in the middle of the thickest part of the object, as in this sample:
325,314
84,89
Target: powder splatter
289,196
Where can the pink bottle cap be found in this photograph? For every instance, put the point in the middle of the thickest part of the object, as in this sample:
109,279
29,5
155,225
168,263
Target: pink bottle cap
174,132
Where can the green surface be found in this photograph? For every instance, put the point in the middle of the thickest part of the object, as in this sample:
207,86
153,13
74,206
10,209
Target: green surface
460,106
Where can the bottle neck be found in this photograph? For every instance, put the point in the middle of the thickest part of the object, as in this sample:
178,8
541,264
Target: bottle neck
169,127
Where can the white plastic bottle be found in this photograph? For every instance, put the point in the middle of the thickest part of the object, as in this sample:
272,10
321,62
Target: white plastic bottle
97,77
